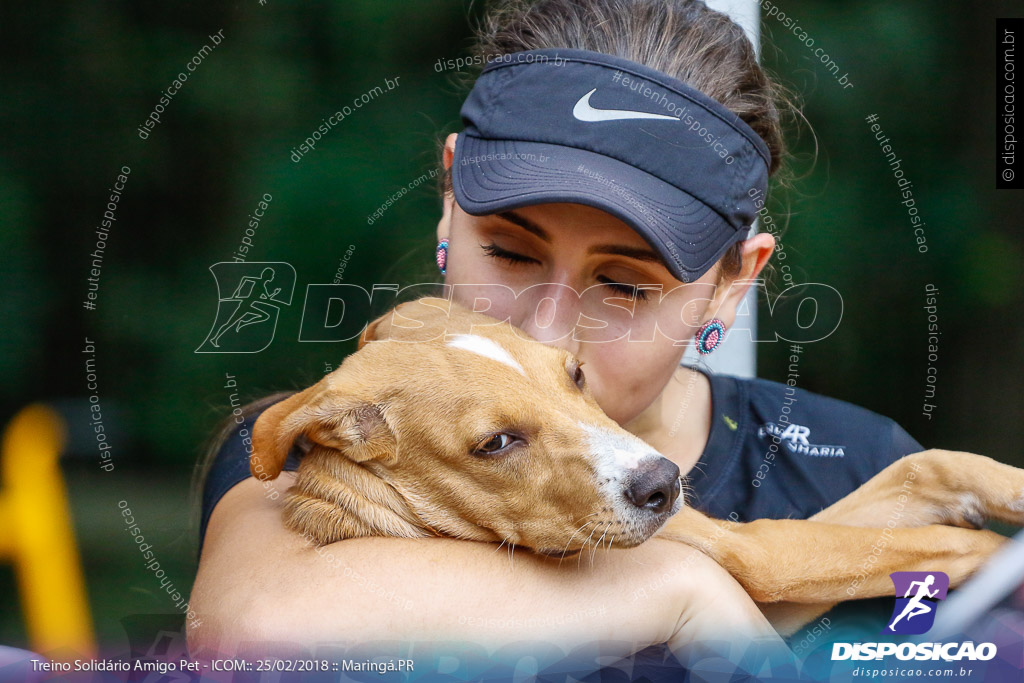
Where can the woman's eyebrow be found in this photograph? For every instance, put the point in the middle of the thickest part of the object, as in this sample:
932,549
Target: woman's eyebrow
638,253
525,223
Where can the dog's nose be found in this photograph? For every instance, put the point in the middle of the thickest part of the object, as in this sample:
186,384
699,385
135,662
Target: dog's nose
654,486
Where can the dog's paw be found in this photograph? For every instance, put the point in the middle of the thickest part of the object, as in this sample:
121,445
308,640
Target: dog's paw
969,512
1017,506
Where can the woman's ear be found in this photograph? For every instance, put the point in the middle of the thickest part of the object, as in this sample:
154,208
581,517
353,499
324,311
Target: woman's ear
449,150
730,291
357,428
448,200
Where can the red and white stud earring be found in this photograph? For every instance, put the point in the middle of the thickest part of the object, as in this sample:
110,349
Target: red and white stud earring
442,255
709,336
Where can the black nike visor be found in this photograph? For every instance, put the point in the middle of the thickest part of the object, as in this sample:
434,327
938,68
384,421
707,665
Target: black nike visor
582,127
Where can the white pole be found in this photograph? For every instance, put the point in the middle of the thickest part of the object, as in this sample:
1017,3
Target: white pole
738,353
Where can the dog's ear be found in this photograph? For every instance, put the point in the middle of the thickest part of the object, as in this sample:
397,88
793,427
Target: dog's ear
421,319
375,330
359,429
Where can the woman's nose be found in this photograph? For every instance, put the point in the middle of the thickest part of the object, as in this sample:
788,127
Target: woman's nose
550,314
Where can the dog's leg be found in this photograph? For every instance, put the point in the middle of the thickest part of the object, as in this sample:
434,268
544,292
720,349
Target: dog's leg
803,561
932,487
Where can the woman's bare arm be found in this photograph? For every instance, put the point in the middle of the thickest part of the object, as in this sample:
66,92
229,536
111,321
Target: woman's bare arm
258,581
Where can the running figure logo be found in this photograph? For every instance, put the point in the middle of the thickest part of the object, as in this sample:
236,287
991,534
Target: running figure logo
247,318
914,613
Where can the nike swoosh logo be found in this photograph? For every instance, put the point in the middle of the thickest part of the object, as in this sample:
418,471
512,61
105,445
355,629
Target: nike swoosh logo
583,111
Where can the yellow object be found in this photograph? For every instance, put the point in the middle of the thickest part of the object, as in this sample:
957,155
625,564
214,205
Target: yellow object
36,534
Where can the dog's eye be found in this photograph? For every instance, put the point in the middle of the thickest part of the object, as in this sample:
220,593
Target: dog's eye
495,444
575,369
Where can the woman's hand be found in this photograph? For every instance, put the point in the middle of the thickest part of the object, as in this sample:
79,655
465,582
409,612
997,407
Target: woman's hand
259,581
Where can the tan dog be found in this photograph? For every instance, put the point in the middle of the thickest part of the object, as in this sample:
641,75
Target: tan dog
447,422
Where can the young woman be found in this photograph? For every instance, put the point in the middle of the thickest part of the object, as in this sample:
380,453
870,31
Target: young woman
608,144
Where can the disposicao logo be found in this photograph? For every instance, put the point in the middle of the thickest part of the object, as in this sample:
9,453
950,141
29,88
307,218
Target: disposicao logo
914,612
917,596
249,298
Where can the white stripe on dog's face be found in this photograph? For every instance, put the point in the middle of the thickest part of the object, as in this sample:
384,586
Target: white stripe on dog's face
615,454
485,347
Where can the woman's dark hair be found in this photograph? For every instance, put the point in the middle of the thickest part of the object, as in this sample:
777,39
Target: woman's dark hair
682,38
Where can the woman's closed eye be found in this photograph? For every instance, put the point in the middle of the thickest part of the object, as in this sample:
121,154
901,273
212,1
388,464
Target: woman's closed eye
511,257
623,289
494,251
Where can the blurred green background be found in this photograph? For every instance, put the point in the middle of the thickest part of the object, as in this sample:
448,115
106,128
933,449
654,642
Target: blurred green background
79,78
